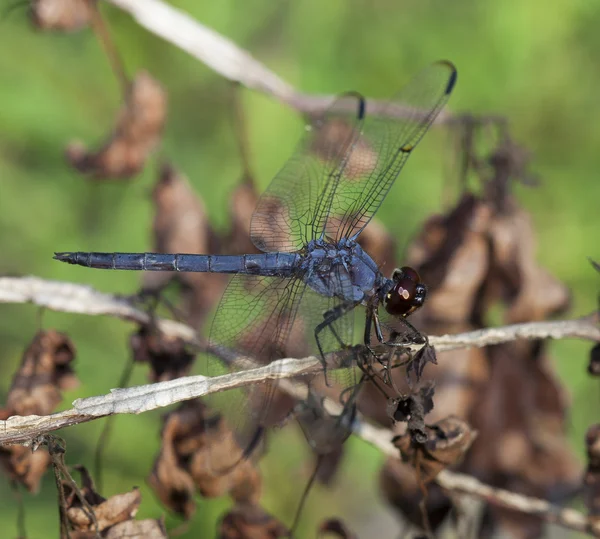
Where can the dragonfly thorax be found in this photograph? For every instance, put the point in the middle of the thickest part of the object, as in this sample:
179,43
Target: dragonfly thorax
340,269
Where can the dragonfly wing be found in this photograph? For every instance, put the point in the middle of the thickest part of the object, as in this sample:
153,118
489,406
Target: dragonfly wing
326,431
293,209
390,133
253,321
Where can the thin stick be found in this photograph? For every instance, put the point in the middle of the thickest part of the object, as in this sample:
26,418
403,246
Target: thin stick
102,32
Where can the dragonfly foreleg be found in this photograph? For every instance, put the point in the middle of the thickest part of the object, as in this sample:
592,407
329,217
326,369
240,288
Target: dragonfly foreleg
329,319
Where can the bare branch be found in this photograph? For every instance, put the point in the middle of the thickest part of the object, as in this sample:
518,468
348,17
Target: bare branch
82,299
581,328
229,60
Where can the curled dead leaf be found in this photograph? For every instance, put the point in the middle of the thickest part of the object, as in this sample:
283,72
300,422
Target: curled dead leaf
60,15
250,521
447,442
45,372
36,389
591,480
191,436
594,363
167,356
181,225
401,489
337,528
137,133
138,529
106,512
24,466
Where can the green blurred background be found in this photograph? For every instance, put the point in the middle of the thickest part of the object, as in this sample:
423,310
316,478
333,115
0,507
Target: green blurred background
535,62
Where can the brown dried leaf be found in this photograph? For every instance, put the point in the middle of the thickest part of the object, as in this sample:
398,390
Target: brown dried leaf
336,527
533,293
137,133
521,419
167,356
591,480
448,441
138,529
190,435
117,508
452,256
401,489
61,15
24,466
181,225
594,364
108,512
250,521
36,389
44,373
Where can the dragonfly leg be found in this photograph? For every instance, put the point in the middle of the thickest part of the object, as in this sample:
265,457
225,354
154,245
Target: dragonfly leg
329,319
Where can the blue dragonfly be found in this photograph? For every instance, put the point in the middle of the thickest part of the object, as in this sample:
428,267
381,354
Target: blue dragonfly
311,273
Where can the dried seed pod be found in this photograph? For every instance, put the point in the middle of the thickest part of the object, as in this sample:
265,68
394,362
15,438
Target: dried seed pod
137,133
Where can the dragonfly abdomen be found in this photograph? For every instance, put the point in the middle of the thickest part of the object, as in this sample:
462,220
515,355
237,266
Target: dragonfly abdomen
280,264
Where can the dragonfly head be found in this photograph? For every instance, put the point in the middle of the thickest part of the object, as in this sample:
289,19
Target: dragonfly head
407,294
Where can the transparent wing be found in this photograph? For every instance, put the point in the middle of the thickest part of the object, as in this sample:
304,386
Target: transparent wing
326,431
253,321
390,133
347,163
294,207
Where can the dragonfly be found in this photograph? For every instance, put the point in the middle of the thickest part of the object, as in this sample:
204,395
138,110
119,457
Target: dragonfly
302,288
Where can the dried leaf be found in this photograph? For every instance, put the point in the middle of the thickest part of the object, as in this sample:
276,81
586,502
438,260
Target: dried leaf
190,435
533,293
181,225
402,491
137,133
452,256
412,409
44,373
36,389
25,466
61,15
250,521
167,356
594,364
138,529
591,480
447,442
336,527
107,512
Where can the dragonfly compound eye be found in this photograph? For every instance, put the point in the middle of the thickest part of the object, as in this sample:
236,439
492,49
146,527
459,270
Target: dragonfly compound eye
407,294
